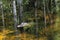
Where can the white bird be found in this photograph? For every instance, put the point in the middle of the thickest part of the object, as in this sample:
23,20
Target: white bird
23,24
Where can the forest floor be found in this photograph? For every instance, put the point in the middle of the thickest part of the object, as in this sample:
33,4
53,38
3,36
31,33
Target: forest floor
23,36
9,35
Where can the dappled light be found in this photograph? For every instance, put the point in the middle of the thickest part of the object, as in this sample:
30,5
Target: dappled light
29,20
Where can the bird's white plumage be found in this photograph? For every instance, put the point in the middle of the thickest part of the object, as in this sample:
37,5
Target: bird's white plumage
23,24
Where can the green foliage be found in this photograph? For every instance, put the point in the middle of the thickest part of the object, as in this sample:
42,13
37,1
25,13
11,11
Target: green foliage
29,15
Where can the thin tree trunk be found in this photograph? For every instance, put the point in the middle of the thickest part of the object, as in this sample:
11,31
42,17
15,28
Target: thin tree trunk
36,11
15,16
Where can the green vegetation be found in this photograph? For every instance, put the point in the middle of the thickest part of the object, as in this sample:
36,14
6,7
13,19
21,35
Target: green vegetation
43,17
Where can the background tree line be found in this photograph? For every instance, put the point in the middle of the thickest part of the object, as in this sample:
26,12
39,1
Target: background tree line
29,14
